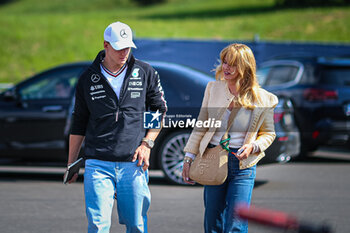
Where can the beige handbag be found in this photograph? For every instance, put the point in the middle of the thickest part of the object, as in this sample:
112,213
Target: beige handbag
211,167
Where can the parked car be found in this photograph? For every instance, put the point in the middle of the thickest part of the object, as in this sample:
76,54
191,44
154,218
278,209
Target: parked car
35,117
318,89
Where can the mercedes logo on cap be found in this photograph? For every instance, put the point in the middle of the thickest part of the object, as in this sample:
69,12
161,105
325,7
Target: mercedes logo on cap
95,78
123,33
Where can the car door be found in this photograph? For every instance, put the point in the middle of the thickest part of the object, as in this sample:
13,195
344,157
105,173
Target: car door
32,124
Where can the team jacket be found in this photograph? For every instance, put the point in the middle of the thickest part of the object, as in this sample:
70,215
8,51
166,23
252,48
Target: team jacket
113,128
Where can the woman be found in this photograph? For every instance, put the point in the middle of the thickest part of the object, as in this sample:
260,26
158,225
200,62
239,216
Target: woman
252,132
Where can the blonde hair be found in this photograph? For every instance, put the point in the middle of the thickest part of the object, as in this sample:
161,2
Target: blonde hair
247,86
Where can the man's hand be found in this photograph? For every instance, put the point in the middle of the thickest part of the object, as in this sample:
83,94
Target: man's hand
75,142
74,178
142,153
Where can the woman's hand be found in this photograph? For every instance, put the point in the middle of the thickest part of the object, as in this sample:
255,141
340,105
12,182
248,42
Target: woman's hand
246,151
186,173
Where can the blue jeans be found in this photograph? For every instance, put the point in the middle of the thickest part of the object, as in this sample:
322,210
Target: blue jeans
220,200
105,181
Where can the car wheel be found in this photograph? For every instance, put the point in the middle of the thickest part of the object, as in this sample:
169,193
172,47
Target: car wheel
172,155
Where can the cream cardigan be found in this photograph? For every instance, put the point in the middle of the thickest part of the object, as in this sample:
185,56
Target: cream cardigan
217,98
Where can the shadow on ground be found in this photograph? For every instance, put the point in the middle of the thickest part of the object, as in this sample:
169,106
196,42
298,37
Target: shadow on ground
30,176
316,159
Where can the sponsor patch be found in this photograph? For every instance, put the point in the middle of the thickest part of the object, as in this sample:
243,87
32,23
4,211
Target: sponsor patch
98,97
96,87
97,92
135,95
135,83
134,89
95,78
135,72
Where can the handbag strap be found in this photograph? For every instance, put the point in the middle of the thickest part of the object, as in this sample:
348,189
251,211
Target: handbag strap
225,140
231,118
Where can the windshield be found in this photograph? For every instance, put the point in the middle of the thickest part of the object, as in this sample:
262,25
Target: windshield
277,74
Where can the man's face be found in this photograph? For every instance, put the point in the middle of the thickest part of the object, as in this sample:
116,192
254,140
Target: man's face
118,57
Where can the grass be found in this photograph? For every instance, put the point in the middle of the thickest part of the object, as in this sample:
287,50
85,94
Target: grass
36,35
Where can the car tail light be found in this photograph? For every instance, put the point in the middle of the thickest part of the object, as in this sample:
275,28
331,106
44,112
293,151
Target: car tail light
283,139
315,134
278,116
285,118
314,94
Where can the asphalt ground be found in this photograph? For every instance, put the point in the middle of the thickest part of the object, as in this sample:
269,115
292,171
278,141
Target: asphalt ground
33,198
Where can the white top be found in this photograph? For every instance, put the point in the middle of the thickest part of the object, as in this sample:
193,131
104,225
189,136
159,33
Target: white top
238,130
115,79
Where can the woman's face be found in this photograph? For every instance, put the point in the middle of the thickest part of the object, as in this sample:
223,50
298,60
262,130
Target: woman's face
229,72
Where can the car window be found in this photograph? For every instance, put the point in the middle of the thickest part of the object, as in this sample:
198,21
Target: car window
277,75
165,76
175,86
58,84
308,76
262,75
335,76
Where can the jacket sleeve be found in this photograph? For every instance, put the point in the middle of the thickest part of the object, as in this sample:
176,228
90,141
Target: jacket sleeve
155,94
266,134
197,134
80,113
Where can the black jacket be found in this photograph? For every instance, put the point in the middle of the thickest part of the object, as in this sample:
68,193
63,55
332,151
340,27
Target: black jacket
113,127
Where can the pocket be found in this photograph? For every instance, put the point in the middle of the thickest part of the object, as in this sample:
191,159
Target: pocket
96,164
248,173
140,172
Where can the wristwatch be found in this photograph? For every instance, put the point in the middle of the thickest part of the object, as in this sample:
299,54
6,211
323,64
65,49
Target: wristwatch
149,142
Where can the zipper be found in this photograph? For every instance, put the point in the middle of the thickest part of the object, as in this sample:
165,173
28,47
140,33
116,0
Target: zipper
130,65
117,115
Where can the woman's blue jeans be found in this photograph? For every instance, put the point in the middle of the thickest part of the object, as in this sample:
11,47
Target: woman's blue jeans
220,200
106,181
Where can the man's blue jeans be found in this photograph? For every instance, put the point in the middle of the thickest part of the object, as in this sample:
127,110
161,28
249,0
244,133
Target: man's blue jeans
105,181
220,200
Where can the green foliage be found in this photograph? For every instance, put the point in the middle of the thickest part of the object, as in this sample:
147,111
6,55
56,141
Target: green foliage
148,2
306,3
37,34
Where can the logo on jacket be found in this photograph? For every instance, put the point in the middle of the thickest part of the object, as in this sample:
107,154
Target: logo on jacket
95,78
96,87
152,120
135,95
135,73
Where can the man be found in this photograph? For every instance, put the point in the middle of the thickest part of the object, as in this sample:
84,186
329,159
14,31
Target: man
63,89
111,97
